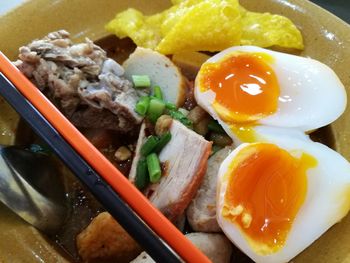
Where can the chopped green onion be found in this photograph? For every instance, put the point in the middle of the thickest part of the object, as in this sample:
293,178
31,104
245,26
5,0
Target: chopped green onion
153,166
149,145
142,177
155,109
215,127
187,123
141,81
214,149
163,140
177,115
170,106
157,92
142,105
183,111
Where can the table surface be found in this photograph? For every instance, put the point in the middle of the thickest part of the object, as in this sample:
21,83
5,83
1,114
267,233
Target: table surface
341,8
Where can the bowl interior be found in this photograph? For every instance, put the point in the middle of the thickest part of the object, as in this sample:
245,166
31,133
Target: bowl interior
327,39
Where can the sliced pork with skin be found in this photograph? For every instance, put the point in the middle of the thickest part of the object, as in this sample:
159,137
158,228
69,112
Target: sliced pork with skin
184,160
201,213
215,246
89,88
140,141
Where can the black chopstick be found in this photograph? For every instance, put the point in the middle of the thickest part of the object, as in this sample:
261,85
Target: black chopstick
98,187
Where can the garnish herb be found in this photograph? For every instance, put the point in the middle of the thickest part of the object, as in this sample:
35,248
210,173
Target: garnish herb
177,115
155,109
163,140
141,81
142,177
149,145
170,106
142,105
154,169
158,92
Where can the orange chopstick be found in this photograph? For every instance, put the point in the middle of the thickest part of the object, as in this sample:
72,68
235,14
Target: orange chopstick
131,195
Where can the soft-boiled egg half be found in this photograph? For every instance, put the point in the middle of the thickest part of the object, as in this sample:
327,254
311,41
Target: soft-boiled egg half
246,86
276,197
281,191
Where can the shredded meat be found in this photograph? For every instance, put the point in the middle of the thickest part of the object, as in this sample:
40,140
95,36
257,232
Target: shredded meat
89,88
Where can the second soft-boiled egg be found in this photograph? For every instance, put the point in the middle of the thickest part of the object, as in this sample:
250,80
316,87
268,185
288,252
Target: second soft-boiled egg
246,86
276,197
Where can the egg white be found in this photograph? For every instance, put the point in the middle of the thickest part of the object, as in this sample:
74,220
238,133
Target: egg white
311,94
327,200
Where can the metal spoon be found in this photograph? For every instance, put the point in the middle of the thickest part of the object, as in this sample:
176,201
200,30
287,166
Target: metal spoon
30,186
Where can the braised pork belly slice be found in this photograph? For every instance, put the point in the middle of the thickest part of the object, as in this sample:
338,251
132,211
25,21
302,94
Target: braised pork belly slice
184,161
140,141
201,213
216,247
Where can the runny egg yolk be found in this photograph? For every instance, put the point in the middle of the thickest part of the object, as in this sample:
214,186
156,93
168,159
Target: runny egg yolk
266,188
245,85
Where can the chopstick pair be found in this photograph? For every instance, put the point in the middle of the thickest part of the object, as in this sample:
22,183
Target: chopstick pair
111,201
120,198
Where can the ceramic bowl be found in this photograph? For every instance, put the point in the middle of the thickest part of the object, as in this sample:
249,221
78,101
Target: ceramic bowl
327,38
